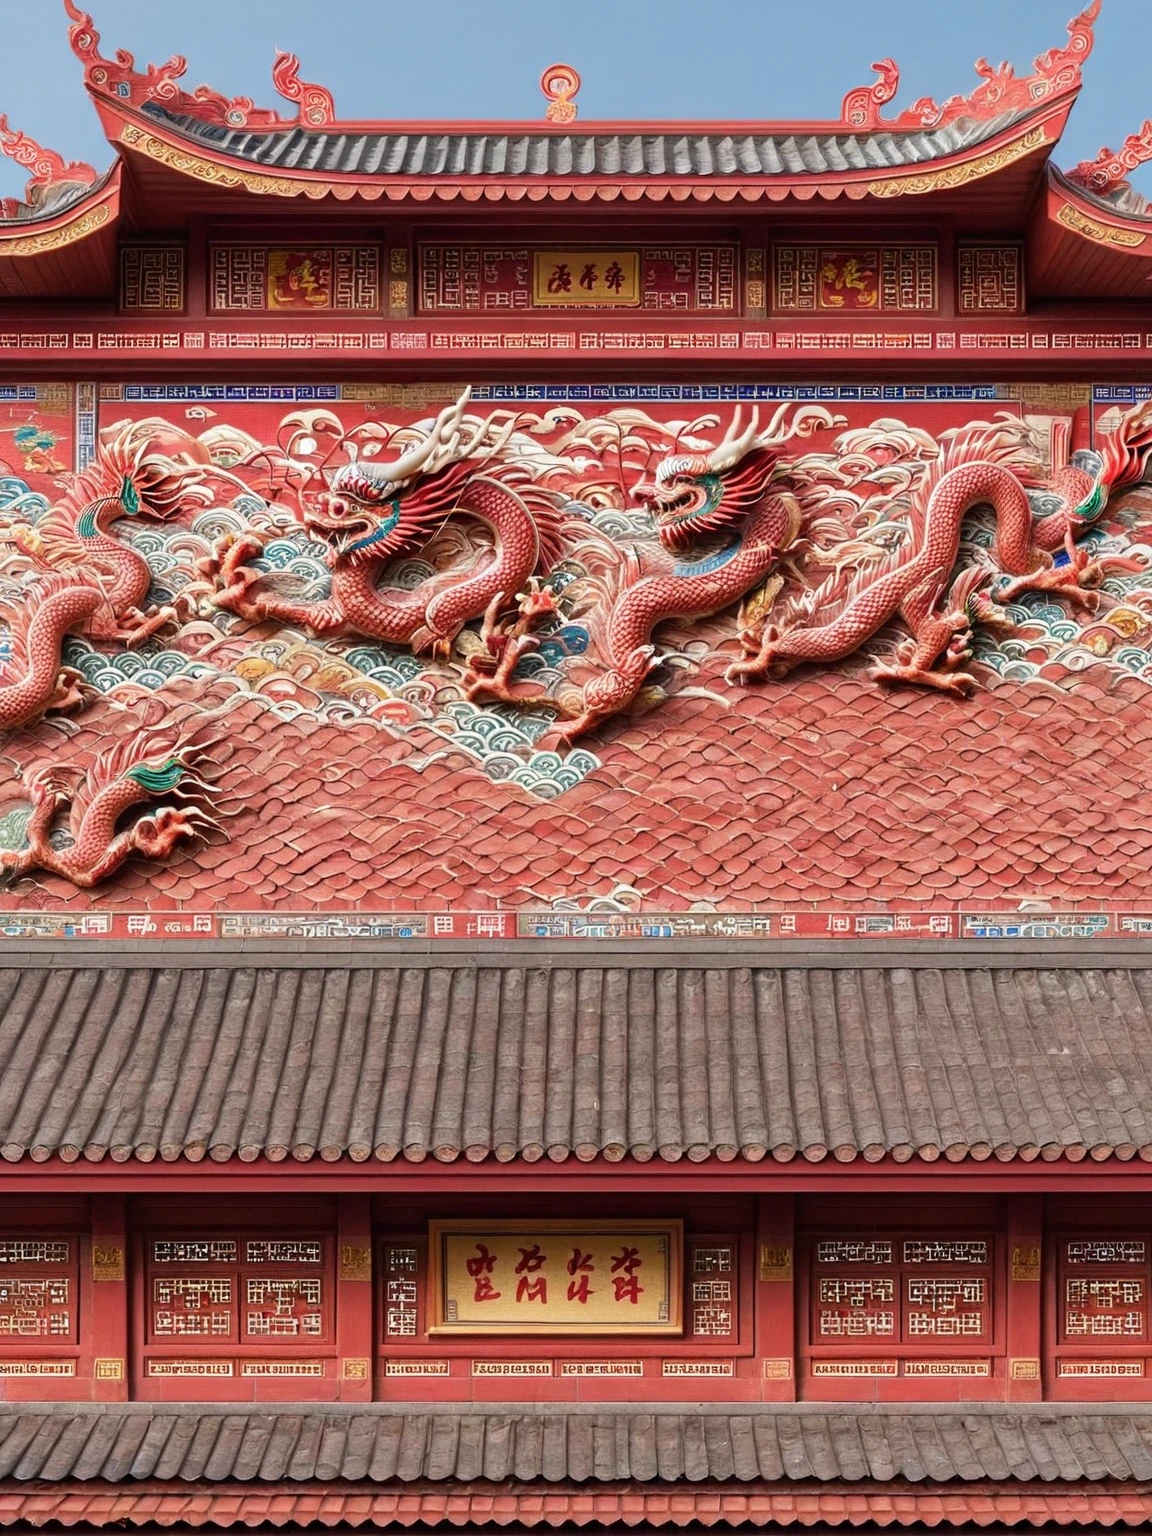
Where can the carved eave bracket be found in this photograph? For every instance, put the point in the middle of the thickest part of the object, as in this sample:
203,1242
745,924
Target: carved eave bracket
119,80
1111,168
46,169
1001,89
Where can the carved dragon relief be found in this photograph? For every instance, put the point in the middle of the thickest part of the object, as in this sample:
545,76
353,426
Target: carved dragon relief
533,567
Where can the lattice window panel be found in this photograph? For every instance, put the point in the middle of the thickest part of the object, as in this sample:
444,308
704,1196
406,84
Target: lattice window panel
403,1281
38,1290
151,279
1103,1287
211,1292
348,279
356,278
854,279
712,1293
465,279
238,277
989,279
888,1291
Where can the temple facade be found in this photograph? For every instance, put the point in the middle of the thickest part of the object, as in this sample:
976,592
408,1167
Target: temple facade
576,882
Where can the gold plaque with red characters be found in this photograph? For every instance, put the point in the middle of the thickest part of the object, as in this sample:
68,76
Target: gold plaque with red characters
599,278
513,1277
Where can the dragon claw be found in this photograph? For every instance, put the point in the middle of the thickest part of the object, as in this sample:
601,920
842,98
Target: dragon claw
943,680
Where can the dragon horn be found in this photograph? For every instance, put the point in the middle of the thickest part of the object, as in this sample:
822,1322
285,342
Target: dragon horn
446,424
732,448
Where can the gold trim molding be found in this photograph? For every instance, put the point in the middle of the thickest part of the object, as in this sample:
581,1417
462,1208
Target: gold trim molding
1103,234
52,239
192,165
960,175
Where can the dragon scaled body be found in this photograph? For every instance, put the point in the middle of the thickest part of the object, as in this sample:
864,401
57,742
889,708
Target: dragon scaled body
982,466
735,500
152,766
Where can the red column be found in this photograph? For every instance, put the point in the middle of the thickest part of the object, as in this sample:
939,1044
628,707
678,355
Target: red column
1024,1303
775,1311
109,1311
354,1298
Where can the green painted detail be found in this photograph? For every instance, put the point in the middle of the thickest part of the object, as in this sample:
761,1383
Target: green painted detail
714,486
129,498
86,522
1092,505
157,781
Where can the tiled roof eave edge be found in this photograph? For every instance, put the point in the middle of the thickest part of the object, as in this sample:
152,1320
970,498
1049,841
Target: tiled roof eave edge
95,209
191,156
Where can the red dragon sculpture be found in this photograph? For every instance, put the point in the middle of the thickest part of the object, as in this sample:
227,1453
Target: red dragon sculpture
735,499
375,510
164,765
979,466
823,548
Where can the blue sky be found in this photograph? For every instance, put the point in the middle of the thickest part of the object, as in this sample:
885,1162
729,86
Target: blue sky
735,59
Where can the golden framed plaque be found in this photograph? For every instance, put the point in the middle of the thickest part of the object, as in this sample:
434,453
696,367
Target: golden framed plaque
561,1278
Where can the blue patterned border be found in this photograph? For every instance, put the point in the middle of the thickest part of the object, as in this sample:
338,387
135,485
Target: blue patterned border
1120,394
499,393
237,392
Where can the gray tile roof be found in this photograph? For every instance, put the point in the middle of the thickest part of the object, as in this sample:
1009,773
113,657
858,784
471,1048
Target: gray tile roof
521,1061
577,153
379,1443
52,201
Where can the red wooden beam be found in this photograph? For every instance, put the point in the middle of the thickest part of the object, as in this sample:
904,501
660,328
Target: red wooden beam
597,1176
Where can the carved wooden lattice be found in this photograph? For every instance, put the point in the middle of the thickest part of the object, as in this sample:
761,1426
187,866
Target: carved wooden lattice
990,279
209,1293
1102,1290
673,279
151,279
303,280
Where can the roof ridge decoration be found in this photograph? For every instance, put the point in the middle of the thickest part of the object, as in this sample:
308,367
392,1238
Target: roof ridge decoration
316,108
1001,90
119,78
47,169
1110,168
560,84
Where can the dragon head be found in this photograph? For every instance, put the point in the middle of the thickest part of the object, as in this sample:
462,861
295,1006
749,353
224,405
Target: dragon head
692,494
373,508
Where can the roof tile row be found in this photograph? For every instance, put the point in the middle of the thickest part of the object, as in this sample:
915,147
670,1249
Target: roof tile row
522,1061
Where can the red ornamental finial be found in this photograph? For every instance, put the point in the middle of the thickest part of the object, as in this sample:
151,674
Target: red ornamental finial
316,107
560,82
45,167
861,107
1110,168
